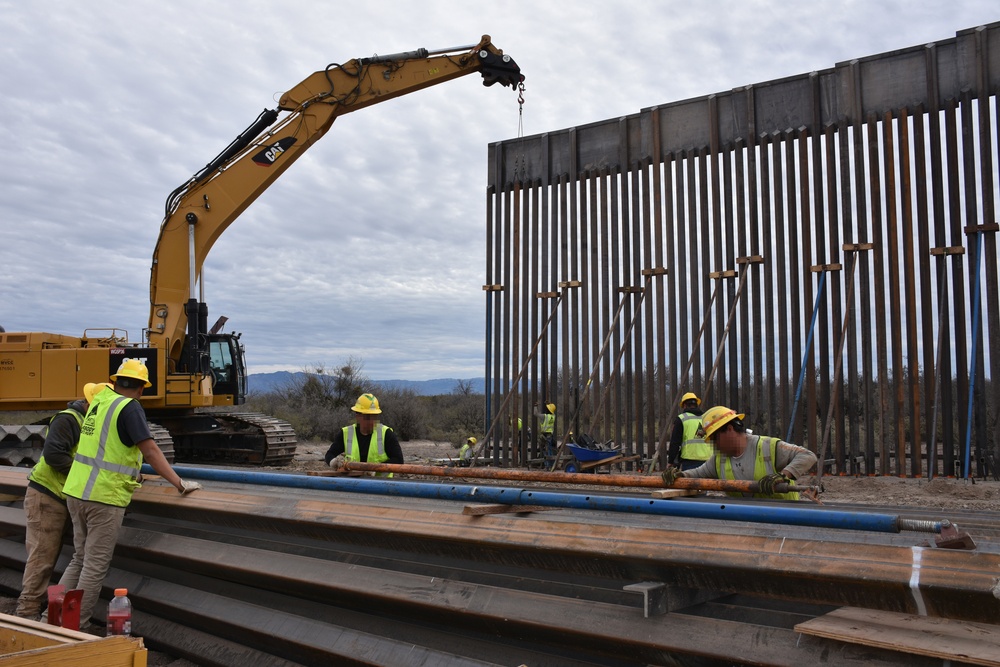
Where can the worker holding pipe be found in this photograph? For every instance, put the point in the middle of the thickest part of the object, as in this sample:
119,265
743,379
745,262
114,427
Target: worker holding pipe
367,440
744,456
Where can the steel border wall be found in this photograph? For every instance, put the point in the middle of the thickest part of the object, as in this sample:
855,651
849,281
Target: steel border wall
716,230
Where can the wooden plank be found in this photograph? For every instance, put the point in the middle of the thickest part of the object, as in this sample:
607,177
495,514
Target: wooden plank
27,643
964,641
499,508
99,652
673,493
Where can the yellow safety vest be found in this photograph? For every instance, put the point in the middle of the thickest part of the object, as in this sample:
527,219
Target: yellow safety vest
46,475
693,447
376,447
548,423
763,465
105,469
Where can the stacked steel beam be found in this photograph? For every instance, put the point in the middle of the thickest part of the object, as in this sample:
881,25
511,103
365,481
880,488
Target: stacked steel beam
290,575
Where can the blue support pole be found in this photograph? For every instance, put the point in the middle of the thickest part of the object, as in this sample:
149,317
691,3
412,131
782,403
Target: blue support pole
794,516
967,462
805,355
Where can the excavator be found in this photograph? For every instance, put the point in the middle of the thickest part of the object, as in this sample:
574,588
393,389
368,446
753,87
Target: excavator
198,373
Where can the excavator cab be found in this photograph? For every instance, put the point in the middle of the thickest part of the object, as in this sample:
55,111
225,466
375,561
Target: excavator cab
220,356
227,366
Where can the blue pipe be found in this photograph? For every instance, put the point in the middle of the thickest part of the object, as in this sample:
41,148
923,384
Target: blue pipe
805,355
972,357
795,516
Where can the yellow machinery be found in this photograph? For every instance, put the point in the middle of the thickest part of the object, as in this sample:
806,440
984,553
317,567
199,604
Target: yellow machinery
194,368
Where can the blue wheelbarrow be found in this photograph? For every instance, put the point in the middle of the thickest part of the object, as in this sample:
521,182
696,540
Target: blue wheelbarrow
585,459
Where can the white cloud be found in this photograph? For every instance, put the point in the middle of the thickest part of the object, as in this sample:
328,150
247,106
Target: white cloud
373,244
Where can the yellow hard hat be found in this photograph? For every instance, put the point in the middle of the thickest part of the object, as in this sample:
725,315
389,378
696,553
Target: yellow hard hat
367,404
690,396
133,368
551,407
471,441
92,389
717,417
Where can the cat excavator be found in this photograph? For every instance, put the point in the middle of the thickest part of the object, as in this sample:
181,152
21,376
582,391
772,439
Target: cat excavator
198,373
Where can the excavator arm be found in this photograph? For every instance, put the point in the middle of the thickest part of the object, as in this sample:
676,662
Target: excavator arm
201,209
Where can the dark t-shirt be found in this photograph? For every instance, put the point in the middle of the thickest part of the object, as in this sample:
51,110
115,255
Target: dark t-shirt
132,425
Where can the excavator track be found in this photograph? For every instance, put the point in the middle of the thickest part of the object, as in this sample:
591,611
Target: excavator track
161,437
230,437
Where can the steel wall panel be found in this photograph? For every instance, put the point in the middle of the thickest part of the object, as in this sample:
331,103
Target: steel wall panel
784,243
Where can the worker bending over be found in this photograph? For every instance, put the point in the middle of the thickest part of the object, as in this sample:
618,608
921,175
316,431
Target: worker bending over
743,456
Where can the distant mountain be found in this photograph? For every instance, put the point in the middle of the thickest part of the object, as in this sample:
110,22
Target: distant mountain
263,383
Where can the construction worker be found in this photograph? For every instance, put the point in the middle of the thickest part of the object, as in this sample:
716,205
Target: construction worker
547,427
467,451
45,513
355,442
688,448
743,456
114,442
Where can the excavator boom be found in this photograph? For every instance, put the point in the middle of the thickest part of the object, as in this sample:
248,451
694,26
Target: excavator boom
192,367
200,210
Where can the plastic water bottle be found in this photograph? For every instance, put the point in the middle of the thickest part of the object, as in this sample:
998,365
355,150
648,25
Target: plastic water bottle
120,614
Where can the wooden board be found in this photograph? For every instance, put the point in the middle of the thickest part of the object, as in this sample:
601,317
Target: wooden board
673,493
962,641
28,643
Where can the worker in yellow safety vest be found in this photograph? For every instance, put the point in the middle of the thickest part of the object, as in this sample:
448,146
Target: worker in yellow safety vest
114,441
688,448
741,455
467,451
365,441
547,427
45,513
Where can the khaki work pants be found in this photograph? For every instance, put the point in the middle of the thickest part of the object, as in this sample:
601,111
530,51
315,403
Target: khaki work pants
95,533
45,521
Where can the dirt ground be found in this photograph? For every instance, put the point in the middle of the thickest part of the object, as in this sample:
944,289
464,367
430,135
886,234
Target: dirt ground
941,492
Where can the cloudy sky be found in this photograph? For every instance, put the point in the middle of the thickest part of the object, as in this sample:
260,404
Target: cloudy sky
372,245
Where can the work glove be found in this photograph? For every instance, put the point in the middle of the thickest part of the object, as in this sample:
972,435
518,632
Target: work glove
187,487
767,483
337,462
671,475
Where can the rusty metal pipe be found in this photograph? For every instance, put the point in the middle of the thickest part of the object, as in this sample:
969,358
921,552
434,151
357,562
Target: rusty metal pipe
644,481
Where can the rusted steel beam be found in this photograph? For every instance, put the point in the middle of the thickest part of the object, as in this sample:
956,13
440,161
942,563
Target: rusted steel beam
642,481
461,573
